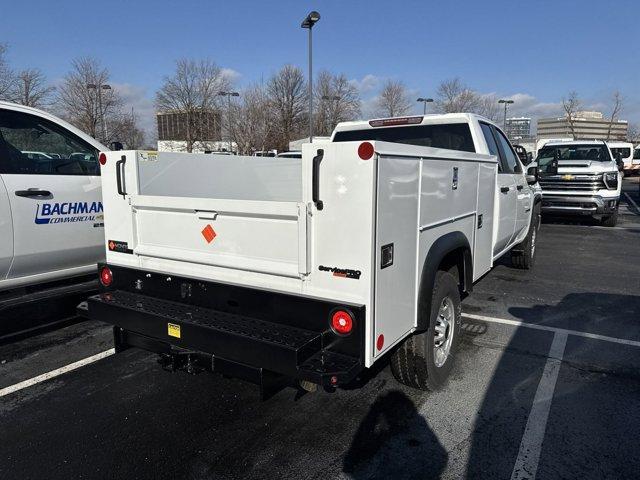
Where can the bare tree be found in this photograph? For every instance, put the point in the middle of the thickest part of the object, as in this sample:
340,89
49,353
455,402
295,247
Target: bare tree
252,126
31,89
571,105
393,100
287,95
633,133
86,107
452,96
7,77
615,111
127,130
337,100
193,91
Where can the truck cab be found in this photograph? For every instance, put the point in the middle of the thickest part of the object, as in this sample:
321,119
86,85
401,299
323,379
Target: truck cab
51,223
313,269
580,177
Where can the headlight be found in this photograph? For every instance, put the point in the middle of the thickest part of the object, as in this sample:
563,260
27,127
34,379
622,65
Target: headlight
611,180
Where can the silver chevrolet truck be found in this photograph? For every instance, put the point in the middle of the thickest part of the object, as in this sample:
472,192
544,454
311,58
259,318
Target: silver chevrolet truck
580,178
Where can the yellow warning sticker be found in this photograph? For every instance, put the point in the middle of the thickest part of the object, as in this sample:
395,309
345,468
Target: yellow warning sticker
173,330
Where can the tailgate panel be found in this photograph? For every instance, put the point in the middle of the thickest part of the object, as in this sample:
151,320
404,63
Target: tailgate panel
266,237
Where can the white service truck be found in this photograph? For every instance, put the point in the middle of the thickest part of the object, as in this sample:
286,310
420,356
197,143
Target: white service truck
51,225
313,269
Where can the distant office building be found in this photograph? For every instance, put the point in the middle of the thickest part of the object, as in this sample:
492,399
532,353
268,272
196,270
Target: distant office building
172,129
587,126
518,127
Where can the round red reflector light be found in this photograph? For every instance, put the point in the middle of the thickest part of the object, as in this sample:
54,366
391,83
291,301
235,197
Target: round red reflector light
106,277
102,159
380,342
342,322
365,151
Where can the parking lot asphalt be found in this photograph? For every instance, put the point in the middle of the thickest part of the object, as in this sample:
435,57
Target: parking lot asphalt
547,384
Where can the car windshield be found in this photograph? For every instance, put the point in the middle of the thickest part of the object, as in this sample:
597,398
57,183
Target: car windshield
636,154
597,153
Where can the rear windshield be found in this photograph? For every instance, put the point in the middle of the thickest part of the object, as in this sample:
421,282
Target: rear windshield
636,154
624,152
452,136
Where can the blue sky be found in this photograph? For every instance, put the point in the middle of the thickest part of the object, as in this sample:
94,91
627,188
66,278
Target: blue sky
534,52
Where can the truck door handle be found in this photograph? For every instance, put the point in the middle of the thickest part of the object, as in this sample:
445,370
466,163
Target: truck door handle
519,187
504,189
33,192
315,194
119,168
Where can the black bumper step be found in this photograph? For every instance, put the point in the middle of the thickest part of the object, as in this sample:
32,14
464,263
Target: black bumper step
279,348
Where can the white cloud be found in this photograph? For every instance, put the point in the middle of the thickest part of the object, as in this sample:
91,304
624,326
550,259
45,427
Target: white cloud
136,97
231,75
366,84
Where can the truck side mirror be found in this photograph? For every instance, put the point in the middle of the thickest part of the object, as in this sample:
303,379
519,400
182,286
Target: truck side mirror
114,146
532,175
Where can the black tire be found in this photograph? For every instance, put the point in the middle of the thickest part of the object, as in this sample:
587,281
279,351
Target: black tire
413,363
609,220
523,255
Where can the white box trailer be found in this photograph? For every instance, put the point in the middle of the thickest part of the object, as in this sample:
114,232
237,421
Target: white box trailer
311,269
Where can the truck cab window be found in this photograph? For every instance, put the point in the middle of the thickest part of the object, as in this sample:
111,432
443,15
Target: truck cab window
491,144
452,136
31,145
510,157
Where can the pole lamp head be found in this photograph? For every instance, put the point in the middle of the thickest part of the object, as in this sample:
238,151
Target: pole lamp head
310,20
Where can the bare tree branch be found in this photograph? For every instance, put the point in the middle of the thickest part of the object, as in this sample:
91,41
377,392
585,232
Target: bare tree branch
454,96
394,100
32,90
615,111
7,77
253,127
287,95
337,101
571,106
193,91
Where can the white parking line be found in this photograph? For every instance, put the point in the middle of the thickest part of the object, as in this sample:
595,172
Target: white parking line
56,372
631,200
578,333
526,464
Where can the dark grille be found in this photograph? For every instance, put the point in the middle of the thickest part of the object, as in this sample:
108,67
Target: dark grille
587,183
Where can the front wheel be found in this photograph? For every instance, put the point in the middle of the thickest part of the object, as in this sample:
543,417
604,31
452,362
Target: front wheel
610,220
424,360
523,255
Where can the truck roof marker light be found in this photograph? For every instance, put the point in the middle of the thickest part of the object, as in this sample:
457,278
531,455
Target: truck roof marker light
365,150
391,122
106,276
342,322
102,158
380,342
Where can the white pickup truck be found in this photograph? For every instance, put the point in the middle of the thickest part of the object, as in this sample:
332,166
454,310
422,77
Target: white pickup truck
313,269
50,207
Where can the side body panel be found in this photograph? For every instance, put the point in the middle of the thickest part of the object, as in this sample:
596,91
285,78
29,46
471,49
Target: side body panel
6,232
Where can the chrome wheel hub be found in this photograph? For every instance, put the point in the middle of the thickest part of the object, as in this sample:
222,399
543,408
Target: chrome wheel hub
443,338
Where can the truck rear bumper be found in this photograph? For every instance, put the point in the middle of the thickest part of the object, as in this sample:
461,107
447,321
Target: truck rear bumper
285,334
581,205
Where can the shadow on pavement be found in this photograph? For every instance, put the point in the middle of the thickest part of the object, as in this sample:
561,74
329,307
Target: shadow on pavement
394,441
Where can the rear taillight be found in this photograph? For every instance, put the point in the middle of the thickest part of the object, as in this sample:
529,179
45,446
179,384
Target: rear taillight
106,276
102,159
342,322
365,150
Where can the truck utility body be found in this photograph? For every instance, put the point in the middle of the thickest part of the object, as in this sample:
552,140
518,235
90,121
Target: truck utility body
310,268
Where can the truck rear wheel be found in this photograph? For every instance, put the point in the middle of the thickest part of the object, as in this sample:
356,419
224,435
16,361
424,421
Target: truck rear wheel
523,255
424,360
609,220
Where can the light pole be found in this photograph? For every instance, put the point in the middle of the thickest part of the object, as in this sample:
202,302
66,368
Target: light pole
229,95
506,104
98,88
424,102
308,23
